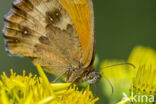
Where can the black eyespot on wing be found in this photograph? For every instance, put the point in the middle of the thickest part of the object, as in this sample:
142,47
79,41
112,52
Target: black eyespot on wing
53,17
36,48
44,40
70,29
12,40
17,30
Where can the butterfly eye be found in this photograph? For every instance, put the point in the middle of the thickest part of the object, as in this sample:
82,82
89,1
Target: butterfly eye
93,77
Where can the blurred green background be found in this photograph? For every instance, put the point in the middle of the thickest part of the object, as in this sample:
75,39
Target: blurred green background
119,26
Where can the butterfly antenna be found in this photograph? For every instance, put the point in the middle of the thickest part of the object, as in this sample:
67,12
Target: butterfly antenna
109,82
113,66
120,64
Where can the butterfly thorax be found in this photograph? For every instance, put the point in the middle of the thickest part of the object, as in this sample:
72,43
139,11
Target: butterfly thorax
78,75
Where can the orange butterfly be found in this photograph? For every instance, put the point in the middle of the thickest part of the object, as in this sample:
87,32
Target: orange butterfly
57,34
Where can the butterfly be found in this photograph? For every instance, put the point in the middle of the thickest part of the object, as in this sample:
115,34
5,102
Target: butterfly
57,34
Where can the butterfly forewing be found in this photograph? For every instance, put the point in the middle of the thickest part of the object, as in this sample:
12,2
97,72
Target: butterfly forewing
81,12
57,34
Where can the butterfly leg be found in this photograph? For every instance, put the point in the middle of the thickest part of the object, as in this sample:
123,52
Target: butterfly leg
60,75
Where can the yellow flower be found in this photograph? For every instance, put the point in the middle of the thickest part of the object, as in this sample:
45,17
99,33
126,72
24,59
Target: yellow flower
123,77
30,89
144,85
143,56
143,88
145,81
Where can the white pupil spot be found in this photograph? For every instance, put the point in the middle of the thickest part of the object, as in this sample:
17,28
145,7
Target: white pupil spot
51,19
57,14
25,32
16,40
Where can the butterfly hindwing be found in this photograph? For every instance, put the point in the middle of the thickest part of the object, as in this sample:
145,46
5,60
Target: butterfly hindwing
44,31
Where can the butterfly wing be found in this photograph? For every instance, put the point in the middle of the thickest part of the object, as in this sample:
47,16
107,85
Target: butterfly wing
43,31
81,12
